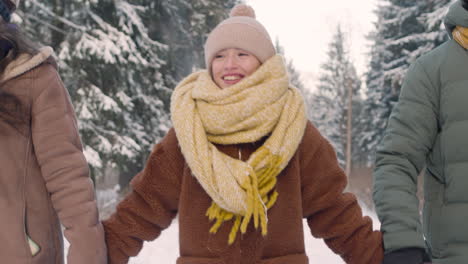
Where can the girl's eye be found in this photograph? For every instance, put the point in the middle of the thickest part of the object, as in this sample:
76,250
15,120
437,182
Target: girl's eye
218,56
243,54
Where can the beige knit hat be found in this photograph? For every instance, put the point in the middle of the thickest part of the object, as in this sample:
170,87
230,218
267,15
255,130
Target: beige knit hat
241,30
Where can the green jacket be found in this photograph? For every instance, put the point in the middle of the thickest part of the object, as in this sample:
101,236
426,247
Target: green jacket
428,128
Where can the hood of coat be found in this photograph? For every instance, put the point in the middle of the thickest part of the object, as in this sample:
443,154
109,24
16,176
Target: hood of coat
25,62
456,16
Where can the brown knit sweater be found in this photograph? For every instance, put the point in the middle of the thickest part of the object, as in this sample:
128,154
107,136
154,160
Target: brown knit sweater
311,187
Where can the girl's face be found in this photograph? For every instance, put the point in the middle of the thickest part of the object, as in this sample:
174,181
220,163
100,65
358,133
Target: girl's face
230,66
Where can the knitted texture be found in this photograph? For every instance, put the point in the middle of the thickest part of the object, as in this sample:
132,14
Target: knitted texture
460,34
242,10
261,104
241,30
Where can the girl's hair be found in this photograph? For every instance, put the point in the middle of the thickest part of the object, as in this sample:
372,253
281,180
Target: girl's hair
12,44
465,4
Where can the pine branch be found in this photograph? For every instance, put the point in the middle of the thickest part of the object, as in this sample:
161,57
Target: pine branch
35,18
61,19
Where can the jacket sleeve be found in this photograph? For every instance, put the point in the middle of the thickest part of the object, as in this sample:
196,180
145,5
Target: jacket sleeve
331,214
59,153
150,206
409,137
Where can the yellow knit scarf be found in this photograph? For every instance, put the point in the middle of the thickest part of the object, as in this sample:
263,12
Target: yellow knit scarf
261,104
460,34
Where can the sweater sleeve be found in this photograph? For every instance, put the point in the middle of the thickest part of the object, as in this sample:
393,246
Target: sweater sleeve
333,215
58,149
150,206
410,135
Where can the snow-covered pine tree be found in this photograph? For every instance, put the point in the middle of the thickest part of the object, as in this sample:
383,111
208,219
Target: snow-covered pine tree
111,68
40,23
183,25
372,122
295,79
205,15
329,105
120,61
294,75
404,31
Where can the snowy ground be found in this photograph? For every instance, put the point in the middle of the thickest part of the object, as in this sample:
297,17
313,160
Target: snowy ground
166,249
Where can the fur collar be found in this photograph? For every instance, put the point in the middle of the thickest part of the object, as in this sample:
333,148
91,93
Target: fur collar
25,62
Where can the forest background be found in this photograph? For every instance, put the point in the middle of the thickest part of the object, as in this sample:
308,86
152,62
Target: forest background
121,59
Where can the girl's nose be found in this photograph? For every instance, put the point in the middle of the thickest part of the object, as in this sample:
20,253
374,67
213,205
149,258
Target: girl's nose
230,62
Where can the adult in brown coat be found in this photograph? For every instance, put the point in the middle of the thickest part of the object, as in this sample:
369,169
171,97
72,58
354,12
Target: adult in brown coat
242,167
44,177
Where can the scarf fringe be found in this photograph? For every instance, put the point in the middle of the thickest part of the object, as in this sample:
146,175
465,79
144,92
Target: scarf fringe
260,184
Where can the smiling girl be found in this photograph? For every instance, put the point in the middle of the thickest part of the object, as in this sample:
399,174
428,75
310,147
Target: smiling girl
242,167
230,66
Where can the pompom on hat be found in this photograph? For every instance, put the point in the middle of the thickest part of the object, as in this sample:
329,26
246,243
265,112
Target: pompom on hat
241,30
7,7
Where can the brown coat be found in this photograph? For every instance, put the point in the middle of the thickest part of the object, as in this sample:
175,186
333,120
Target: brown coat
44,177
311,187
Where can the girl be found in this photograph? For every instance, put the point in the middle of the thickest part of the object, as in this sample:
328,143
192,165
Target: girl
242,167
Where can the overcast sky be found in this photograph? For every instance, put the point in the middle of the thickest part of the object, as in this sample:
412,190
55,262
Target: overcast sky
305,28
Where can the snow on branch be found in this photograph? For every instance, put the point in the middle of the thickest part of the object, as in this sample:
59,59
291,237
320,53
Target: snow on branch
61,19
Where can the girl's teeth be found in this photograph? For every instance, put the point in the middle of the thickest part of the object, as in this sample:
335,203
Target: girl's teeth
231,78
